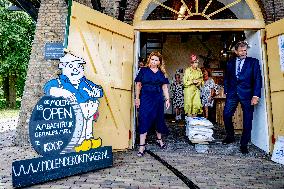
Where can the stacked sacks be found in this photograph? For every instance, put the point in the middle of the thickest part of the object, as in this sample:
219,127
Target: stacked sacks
199,129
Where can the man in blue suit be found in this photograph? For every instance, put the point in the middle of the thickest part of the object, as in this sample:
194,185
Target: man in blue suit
242,83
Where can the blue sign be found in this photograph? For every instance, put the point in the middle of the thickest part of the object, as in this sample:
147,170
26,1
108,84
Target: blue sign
52,125
61,126
53,50
33,171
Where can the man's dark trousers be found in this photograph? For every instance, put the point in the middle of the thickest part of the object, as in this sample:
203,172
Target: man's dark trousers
229,110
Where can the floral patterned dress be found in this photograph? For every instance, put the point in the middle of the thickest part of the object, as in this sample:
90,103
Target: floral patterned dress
177,89
206,92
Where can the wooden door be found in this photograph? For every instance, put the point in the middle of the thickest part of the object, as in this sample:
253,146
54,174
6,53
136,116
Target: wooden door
276,76
107,46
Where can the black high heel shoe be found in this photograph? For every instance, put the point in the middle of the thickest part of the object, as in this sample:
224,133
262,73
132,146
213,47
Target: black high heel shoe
159,144
140,154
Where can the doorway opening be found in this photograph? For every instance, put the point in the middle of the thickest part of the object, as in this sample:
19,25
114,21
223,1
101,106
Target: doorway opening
213,49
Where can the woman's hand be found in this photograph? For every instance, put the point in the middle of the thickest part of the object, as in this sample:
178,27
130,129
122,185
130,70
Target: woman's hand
195,82
137,103
168,103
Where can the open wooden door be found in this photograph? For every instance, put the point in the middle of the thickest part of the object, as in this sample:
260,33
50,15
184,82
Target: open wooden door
260,122
276,76
107,46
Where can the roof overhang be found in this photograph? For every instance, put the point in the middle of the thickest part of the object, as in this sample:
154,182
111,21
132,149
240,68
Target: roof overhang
32,6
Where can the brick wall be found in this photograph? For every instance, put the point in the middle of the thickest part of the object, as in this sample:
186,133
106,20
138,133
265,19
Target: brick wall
50,27
132,5
275,12
110,7
85,2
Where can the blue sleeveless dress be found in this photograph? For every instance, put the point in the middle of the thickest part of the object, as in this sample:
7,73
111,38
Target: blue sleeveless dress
151,110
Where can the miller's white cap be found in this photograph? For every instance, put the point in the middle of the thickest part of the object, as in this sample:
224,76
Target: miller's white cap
71,58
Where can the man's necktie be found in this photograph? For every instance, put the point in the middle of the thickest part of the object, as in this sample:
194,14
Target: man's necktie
238,67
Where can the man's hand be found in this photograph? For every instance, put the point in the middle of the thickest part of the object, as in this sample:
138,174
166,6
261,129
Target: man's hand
137,103
254,100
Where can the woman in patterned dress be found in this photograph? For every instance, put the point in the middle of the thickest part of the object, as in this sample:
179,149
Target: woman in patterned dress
207,92
177,89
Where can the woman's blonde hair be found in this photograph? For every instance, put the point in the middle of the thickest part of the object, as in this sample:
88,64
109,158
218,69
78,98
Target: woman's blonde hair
161,66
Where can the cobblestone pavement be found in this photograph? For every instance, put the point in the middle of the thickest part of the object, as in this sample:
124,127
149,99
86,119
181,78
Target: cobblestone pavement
221,166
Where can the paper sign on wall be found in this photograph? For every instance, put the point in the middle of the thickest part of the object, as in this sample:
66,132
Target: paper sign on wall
281,51
278,152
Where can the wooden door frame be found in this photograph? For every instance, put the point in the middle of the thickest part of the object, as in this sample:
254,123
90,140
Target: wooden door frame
198,25
258,23
267,89
265,77
273,30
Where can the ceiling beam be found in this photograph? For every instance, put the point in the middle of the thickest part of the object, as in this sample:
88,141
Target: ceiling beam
198,25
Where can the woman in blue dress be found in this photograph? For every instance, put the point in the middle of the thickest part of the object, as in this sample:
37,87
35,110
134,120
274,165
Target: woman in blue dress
151,94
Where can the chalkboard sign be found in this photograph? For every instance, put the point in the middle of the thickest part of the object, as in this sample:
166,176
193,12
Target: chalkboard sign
53,50
61,126
52,125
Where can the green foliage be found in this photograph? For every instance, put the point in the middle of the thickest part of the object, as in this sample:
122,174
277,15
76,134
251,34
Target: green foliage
4,3
3,104
16,35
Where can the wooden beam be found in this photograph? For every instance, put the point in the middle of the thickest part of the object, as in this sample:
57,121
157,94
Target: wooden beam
198,25
275,29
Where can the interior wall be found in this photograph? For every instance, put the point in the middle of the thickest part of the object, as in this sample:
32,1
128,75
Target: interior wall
260,136
176,53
